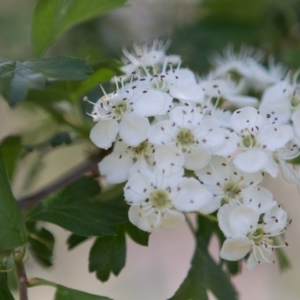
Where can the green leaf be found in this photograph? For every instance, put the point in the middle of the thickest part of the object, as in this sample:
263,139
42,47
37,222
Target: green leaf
108,254
11,149
5,293
64,293
139,236
75,240
54,17
16,78
205,274
41,243
75,209
12,227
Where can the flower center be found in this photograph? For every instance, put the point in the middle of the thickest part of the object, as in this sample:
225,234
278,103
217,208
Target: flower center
120,108
295,101
231,190
249,141
259,237
160,84
159,199
185,138
143,149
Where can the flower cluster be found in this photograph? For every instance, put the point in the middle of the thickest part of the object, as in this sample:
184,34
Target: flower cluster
184,143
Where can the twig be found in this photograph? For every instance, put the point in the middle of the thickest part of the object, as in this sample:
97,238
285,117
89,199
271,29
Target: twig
88,165
19,254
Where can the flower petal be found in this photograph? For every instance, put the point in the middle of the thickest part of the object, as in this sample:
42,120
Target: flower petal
172,219
134,129
235,248
250,161
197,158
243,220
104,133
153,103
191,196
116,167
138,187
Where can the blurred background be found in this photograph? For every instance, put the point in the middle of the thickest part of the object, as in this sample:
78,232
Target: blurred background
197,29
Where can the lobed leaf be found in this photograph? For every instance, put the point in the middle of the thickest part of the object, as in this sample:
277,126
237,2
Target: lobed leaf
64,293
41,243
5,293
16,78
11,149
12,227
75,209
54,17
108,255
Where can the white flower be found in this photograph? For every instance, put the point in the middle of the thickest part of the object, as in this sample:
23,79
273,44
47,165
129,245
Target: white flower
125,159
257,139
281,100
114,113
247,230
228,184
191,133
159,197
226,90
147,56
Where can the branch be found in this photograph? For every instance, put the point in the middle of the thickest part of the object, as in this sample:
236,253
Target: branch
89,165
21,275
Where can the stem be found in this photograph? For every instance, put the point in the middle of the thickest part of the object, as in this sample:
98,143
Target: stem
78,172
19,254
190,225
209,217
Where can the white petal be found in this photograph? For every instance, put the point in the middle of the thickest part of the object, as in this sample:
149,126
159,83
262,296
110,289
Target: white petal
134,129
172,219
224,214
243,220
185,77
138,166
104,133
271,165
197,158
235,248
169,160
162,133
211,136
191,196
247,117
289,173
185,117
242,101
138,187
276,100
193,93
116,167
250,161
258,198
137,219
275,137
153,103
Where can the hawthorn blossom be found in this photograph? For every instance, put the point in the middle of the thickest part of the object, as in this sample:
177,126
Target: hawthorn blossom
230,185
114,113
159,199
191,133
247,230
147,56
257,139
